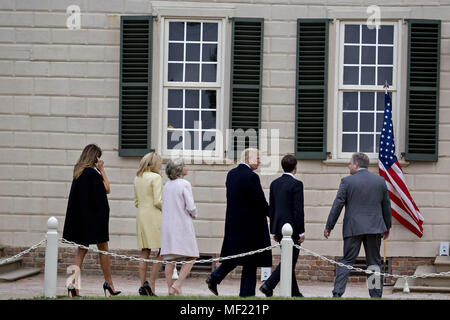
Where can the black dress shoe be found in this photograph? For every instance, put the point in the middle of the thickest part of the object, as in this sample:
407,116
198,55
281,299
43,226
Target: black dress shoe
212,285
266,290
335,295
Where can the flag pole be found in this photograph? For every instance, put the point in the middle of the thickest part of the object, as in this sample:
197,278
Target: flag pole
386,86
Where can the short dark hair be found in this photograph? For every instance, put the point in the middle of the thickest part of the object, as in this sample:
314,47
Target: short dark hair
288,163
361,159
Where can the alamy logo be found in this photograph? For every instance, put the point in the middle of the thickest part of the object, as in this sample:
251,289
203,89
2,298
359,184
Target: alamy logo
73,22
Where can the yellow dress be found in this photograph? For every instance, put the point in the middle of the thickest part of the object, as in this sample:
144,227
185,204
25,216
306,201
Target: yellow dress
147,198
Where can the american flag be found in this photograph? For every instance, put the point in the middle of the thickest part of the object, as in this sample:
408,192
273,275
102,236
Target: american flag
403,206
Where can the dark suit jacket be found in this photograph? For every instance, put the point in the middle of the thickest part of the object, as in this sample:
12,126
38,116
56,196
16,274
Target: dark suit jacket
246,226
286,206
367,205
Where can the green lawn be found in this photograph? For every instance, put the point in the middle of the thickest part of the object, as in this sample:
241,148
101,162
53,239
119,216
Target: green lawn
191,298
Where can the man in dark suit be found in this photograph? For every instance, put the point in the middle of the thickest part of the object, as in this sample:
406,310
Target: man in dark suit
367,218
246,226
286,206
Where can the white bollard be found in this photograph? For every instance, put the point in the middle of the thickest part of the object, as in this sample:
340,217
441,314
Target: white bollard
405,286
51,258
286,261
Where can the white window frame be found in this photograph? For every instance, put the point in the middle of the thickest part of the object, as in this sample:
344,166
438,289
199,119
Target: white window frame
340,87
165,85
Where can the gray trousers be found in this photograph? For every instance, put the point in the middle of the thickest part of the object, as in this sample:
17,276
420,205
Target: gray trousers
352,245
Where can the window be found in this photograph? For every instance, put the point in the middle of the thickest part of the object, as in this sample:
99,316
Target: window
192,87
367,61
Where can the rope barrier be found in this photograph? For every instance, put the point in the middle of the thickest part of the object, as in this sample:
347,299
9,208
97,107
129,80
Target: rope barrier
132,258
7,260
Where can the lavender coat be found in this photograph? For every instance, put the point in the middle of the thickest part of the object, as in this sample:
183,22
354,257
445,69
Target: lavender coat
177,228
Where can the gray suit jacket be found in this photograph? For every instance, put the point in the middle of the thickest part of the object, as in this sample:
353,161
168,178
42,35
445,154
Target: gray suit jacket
367,205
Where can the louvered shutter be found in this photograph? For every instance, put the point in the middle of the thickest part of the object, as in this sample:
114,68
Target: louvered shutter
246,78
311,89
422,119
135,85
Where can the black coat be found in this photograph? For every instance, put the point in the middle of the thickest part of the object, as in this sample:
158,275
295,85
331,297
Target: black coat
286,206
246,218
87,216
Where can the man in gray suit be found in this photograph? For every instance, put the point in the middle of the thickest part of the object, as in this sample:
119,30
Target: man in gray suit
367,218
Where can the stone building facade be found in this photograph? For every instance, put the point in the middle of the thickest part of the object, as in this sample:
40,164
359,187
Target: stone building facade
60,89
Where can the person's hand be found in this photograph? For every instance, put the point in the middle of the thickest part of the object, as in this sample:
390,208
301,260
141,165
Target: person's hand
100,164
302,238
326,233
386,235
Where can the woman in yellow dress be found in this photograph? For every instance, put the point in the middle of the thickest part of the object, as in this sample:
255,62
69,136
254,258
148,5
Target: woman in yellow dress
147,198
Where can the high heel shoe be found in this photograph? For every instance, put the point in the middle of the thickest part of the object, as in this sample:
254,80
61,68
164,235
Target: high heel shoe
71,291
148,288
106,286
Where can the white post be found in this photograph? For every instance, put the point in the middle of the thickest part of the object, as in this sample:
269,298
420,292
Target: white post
51,258
286,261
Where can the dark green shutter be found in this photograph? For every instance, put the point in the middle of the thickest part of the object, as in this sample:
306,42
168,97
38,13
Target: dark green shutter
246,76
135,85
311,89
422,101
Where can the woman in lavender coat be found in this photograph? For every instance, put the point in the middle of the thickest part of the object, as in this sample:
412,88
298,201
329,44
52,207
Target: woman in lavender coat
178,240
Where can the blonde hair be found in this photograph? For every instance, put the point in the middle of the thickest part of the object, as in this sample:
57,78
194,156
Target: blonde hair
174,168
88,159
150,162
248,153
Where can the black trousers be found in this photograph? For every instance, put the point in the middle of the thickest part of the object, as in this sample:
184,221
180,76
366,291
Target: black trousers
274,278
248,277
352,245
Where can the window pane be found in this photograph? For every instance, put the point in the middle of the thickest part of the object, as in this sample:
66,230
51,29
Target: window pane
175,119
192,98
366,143
350,122
208,140
349,142
175,99
379,121
369,35
176,31
351,54
367,100
209,72
367,75
368,55
352,33
351,75
193,31
380,101
208,119
191,141
192,72
377,143
209,52
350,100
175,140
191,120
192,52
176,52
175,72
366,122
208,99
210,31
385,55
384,73
386,35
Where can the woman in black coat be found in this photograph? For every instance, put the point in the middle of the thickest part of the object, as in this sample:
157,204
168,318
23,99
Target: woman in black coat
87,216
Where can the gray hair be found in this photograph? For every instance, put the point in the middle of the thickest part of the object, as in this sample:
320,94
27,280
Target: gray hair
249,153
174,168
361,159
